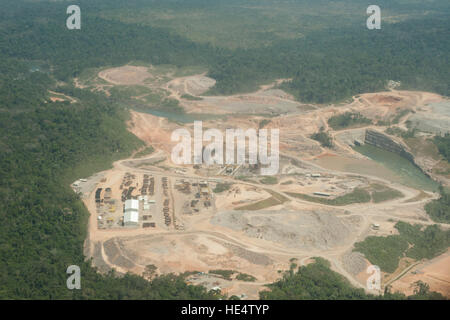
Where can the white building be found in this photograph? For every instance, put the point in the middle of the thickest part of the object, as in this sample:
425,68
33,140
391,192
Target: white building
131,213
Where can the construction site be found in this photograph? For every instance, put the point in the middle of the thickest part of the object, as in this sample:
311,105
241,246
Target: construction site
145,201
201,218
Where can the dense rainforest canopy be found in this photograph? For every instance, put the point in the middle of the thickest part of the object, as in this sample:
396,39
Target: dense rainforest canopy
325,65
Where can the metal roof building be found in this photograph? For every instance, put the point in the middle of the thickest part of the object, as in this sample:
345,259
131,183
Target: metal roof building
131,213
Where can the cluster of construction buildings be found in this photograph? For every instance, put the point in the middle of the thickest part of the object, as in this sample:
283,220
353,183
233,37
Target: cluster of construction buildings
135,202
143,200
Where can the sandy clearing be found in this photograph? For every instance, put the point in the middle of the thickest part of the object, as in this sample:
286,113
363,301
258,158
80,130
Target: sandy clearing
436,273
61,97
125,75
239,195
194,85
155,131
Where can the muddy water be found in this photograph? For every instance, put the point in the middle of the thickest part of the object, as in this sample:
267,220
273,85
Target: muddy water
383,164
409,174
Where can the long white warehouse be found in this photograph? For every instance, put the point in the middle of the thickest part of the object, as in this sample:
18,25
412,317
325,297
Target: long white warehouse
131,213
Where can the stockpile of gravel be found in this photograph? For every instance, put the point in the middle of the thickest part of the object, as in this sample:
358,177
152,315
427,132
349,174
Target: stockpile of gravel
111,249
354,262
253,257
296,229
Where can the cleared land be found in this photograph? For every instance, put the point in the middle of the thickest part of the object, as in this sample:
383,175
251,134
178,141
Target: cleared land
436,273
126,75
255,225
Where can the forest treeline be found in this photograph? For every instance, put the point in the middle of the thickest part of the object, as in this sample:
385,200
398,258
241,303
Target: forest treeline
439,209
316,281
325,66
412,241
